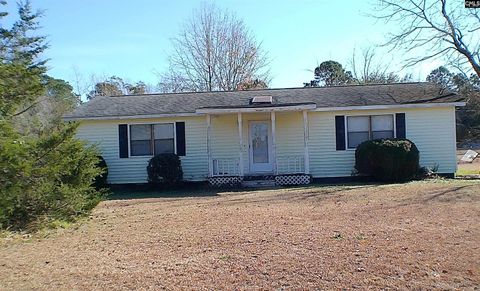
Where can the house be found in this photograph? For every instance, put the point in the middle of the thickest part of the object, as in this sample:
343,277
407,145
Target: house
288,135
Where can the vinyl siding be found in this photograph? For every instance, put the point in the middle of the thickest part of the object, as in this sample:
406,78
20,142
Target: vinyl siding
290,141
224,142
133,169
431,129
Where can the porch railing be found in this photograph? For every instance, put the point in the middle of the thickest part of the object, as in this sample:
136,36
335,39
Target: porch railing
226,167
285,165
290,164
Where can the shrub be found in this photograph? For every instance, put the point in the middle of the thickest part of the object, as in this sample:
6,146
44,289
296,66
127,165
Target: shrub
45,178
165,169
101,179
389,160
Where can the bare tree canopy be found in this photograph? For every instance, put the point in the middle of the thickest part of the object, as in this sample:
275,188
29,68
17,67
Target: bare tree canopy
214,51
437,28
368,68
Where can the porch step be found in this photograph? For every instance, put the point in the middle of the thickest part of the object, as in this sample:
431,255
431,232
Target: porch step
259,183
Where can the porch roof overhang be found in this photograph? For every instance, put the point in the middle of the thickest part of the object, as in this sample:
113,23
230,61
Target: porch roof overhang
257,108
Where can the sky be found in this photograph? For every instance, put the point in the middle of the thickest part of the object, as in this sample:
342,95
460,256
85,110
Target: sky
132,39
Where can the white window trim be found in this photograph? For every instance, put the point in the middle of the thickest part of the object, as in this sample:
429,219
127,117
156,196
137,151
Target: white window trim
153,150
367,115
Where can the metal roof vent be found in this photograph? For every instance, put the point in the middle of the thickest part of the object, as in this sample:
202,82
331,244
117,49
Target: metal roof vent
262,100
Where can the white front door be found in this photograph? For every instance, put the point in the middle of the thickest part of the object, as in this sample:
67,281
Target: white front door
260,147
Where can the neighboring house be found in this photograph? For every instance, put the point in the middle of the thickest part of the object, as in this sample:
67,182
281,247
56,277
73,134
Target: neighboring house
285,134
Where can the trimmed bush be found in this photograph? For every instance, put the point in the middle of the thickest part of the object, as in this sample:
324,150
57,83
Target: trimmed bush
165,169
388,160
101,180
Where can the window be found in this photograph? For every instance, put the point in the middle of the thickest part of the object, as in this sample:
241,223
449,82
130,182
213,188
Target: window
152,139
362,128
358,130
140,140
164,142
382,126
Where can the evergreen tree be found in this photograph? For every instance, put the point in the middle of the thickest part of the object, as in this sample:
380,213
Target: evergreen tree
48,174
330,73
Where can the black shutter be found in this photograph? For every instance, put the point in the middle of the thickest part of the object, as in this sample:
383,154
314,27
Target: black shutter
123,140
180,136
340,132
400,125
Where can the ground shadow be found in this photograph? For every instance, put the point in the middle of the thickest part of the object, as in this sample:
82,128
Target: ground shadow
143,191
317,192
464,193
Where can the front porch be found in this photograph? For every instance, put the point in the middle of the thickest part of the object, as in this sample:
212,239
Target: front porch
261,143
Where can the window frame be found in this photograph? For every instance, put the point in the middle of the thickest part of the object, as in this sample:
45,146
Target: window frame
152,137
370,126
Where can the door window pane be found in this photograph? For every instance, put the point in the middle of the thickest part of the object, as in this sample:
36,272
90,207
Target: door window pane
260,143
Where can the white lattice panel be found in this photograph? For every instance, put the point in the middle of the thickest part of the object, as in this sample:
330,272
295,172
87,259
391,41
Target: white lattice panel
292,180
225,181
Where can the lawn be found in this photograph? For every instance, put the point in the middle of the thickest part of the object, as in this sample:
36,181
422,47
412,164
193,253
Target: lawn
420,235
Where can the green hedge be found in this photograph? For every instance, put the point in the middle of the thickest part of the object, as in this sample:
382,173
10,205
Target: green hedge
165,169
388,160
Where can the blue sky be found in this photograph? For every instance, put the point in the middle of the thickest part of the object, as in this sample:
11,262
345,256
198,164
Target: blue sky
131,39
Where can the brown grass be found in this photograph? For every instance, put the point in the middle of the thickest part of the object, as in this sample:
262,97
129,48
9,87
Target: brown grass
421,235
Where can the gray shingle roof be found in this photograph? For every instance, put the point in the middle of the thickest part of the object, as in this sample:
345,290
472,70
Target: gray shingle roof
339,96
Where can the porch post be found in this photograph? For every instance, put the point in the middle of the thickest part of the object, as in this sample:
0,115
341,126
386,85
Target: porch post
274,143
209,146
240,140
305,141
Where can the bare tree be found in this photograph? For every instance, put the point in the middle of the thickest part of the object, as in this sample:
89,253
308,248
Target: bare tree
80,85
368,69
215,51
441,29
171,81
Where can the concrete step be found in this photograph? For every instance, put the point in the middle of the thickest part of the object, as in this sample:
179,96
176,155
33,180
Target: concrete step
259,184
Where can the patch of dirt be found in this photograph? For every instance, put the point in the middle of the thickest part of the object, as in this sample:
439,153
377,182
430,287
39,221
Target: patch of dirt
420,235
